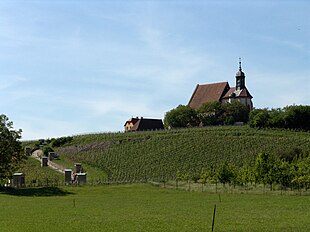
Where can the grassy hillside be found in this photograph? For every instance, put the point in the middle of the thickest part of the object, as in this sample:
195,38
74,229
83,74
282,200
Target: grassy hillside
159,155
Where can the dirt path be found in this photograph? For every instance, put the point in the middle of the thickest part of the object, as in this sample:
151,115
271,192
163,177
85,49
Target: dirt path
39,153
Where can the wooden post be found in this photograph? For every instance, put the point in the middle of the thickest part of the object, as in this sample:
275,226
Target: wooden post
213,217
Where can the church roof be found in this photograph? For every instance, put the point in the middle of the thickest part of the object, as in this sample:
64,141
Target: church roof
208,93
232,92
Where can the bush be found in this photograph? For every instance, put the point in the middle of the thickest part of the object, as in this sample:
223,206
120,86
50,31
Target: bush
60,141
182,116
47,149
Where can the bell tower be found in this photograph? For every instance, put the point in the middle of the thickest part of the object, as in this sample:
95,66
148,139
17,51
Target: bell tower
240,78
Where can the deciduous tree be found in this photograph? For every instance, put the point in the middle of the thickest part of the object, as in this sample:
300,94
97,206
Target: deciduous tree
10,148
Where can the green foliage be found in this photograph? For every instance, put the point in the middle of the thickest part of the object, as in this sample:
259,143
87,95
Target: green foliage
259,118
297,117
58,142
245,175
11,154
226,173
262,168
47,149
182,116
290,117
235,112
211,113
38,176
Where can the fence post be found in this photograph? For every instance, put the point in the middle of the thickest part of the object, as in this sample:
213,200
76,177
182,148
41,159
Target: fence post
213,219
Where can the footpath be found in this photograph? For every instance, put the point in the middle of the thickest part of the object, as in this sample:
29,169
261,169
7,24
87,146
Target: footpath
39,153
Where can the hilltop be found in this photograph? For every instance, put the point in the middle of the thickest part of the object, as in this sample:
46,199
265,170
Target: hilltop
157,155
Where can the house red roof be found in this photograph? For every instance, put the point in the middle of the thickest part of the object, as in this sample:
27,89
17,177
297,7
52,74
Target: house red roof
237,93
208,93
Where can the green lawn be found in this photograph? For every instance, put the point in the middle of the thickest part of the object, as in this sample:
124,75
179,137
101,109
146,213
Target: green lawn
147,208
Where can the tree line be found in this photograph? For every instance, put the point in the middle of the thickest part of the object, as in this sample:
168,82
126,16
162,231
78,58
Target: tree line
289,117
209,114
216,113
289,170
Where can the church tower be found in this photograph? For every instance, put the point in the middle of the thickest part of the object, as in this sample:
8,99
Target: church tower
240,78
222,92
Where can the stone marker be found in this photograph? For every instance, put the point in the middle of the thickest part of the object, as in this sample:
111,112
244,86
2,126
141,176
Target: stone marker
51,156
44,161
18,180
81,178
68,173
78,167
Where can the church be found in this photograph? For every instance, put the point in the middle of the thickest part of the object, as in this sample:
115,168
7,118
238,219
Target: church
222,92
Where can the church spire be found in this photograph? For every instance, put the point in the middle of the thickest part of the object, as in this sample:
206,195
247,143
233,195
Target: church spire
240,78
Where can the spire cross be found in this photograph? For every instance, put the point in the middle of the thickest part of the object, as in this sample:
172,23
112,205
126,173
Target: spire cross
240,64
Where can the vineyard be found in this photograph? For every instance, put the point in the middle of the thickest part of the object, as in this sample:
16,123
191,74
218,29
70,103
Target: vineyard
38,176
160,155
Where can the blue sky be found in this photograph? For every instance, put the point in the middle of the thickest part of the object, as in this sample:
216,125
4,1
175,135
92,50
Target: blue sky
71,67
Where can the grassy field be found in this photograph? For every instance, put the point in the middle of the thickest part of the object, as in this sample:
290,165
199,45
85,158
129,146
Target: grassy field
147,208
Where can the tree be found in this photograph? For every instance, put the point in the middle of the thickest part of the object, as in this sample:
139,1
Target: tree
211,113
259,118
246,175
262,167
292,117
10,148
235,112
182,116
297,117
226,173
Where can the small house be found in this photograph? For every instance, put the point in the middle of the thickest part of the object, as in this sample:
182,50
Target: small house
143,124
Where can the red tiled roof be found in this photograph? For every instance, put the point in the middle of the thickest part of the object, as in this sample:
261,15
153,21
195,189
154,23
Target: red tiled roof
208,93
238,93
